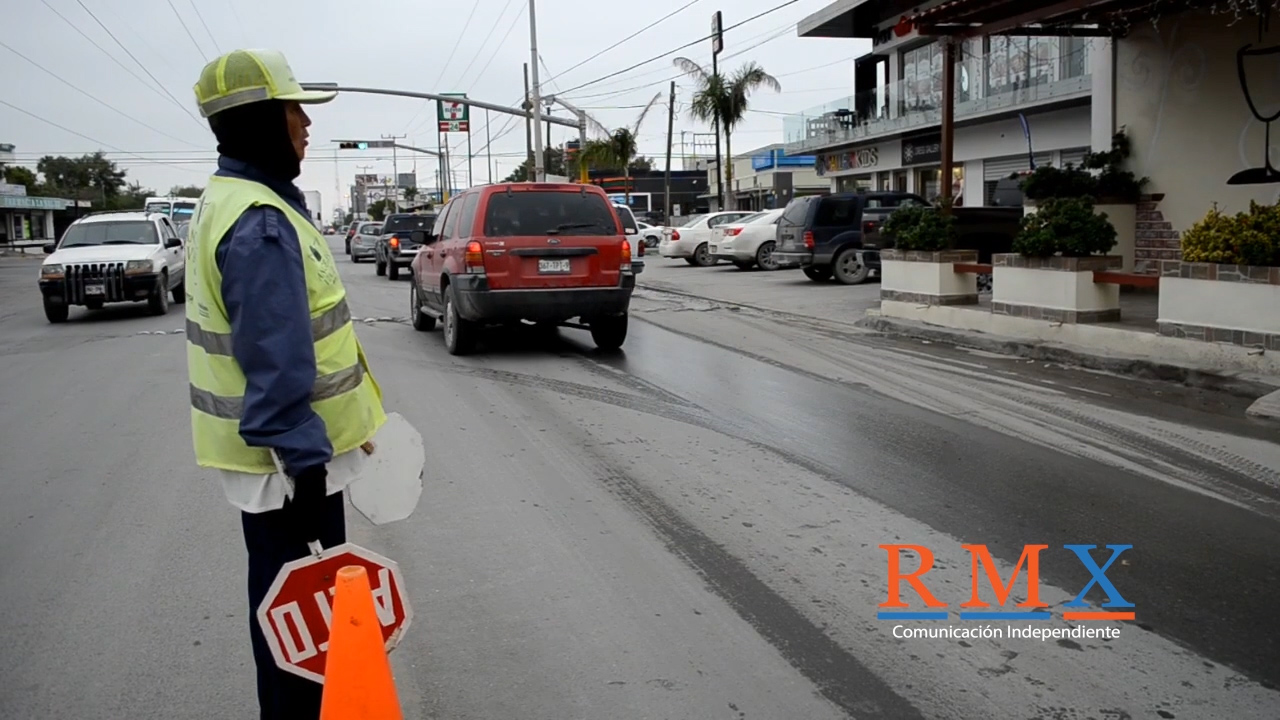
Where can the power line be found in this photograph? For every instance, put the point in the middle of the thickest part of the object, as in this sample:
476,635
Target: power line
184,27
86,137
139,62
650,26
757,16
510,27
113,58
112,108
206,26
486,42
445,66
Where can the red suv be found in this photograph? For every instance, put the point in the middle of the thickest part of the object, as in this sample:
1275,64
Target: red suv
542,252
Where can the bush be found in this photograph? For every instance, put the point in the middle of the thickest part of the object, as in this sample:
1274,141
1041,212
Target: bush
919,227
1110,183
1066,225
1248,238
1052,182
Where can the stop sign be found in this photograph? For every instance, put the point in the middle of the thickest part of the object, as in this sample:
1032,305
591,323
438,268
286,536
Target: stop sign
298,609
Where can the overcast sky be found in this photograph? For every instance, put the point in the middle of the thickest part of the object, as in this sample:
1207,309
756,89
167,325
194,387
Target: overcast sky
402,44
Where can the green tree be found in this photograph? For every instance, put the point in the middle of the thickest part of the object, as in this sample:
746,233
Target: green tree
378,210
555,166
410,193
619,148
641,164
18,175
188,191
723,101
88,177
134,196
348,219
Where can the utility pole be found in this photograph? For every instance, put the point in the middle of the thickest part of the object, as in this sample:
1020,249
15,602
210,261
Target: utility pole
539,168
666,181
548,143
337,183
364,171
528,126
470,169
395,169
488,146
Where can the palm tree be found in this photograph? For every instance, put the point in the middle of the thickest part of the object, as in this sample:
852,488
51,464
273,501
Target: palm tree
618,148
723,100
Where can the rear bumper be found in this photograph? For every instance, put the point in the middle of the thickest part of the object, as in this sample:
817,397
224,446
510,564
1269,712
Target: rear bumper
476,302
793,258
404,259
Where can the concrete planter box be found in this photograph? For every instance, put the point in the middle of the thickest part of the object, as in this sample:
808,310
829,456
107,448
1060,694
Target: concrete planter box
1059,289
1124,218
1237,304
927,278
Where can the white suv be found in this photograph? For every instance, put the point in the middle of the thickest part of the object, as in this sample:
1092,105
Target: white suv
114,257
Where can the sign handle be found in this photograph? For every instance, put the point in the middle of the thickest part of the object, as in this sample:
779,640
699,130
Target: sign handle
315,547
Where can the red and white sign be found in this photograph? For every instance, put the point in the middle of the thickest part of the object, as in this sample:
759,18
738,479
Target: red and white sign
298,609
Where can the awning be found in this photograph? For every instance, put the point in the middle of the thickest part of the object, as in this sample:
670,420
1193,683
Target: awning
26,202
1044,17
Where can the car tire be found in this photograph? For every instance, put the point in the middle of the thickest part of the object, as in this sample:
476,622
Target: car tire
459,334
609,332
56,312
764,256
180,293
379,267
158,302
744,264
393,271
849,268
818,273
702,256
422,322
691,261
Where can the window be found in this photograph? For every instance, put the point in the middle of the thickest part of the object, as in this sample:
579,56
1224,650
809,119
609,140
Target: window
627,218
449,229
573,212
120,232
836,212
797,211
467,220
370,229
922,78
408,223
694,220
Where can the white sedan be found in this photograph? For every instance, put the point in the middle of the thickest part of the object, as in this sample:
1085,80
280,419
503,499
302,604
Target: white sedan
748,242
652,234
690,241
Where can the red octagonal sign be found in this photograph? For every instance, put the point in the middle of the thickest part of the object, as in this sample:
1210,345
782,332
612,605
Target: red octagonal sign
298,609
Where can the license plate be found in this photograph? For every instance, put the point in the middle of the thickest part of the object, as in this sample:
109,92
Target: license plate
94,290
553,266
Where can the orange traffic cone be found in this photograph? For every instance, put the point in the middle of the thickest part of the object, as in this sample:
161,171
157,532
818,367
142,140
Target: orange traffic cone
357,674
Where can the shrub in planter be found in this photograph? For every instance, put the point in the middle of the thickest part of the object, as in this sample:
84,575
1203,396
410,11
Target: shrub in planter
1101,177
1066,225
918,227
1248,238
1052,182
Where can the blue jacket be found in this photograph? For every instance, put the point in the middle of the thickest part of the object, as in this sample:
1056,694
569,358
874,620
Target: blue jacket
264,289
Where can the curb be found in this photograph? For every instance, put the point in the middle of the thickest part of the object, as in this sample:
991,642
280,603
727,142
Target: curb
1249,386
1266,407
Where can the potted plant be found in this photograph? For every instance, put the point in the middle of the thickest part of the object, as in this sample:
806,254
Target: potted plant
1116,193
1049,276
920,268
1226,288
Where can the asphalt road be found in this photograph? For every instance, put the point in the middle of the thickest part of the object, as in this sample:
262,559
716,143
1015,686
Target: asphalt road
689,529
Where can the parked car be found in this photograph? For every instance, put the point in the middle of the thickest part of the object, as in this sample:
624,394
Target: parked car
112,257
631,227
691,240
546,253
651,234
395,247
823,235
749,242
365,240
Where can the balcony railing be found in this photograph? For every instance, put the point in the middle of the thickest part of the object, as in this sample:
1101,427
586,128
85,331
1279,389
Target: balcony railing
917,103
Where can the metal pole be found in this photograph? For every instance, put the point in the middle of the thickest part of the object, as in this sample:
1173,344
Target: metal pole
448,169
666,181
547,149
539,168
948,120
470,179
528,127
719,169
337,184
488,146
584,174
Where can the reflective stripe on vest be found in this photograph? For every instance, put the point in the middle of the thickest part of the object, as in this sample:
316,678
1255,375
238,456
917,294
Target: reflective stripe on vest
345,395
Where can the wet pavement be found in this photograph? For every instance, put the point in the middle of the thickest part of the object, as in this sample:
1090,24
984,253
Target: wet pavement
688,529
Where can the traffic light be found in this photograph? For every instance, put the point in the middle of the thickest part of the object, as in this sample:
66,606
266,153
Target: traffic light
353,145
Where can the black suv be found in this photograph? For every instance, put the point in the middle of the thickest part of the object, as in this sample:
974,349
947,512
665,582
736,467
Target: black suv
395,248
823,234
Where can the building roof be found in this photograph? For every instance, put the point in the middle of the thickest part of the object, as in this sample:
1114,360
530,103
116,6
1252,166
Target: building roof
1066,17
842,19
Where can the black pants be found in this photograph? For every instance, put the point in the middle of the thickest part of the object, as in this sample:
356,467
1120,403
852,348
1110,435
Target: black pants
266,536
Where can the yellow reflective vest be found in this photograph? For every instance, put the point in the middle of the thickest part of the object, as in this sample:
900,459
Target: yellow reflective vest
345,395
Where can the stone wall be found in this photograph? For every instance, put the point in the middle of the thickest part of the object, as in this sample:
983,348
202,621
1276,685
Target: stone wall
1155,239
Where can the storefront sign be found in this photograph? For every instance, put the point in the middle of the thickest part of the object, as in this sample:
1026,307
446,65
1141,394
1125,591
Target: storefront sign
9,189
17,202
922,150
864,158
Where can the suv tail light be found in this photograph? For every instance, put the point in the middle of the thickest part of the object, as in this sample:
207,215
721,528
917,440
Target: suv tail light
808,240
868,226
473,259
640,248
626,253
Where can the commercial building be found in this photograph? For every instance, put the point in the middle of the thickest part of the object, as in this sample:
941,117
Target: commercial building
1019,101
766,178
27,219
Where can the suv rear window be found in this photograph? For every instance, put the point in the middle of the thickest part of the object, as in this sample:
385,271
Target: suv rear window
548,212
122,232
797,210
408,223
836,212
